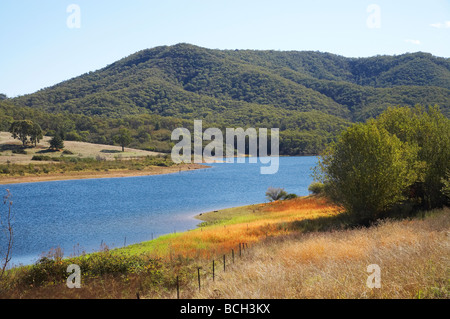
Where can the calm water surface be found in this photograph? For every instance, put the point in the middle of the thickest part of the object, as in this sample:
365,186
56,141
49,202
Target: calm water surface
79,215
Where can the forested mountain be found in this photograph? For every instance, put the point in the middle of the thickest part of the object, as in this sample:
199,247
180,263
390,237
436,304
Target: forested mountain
310,96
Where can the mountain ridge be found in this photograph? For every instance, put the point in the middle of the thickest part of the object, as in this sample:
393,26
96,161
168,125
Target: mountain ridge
309,95
288,79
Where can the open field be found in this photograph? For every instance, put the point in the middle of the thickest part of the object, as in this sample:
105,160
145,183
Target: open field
84,160
79,149
300,248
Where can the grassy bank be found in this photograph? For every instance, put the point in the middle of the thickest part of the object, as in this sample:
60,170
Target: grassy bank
300,248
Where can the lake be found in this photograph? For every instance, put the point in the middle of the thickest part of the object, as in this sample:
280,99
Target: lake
80,215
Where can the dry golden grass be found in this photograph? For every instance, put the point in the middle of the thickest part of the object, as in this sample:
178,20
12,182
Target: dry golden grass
82,149
413,256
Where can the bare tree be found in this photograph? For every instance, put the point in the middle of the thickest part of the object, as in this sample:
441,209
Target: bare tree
274,194
6,241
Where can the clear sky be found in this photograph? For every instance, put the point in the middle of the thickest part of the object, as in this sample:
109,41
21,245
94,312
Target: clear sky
44,42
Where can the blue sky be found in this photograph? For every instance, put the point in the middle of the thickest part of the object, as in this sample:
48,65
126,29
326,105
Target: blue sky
39,48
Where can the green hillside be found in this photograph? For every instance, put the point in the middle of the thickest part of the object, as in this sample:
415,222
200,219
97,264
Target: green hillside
310,96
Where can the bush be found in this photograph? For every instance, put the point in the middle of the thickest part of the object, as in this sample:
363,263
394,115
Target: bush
19,151
316,188
46,270
41,158
290,196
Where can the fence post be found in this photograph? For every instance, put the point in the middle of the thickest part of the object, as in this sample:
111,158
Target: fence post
232,254
178,289
213,270
240,251
224,263
198,272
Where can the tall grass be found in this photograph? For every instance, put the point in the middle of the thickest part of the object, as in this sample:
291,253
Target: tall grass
413,256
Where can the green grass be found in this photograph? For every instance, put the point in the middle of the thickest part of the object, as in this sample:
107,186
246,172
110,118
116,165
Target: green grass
229,216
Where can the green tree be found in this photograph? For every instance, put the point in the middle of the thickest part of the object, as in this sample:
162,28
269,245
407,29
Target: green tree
446,182
367,170
36,134
123,138
56,143
429,130
21,130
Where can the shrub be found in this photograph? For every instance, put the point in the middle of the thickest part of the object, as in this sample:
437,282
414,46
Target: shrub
316,188
41,158
290,196
19,151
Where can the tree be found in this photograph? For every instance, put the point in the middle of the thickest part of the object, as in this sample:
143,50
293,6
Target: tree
56,143
21,130
367,170
446,182
7,231
36,134
123,138
429,130
274,194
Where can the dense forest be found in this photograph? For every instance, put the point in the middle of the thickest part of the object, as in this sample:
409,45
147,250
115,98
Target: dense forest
310,96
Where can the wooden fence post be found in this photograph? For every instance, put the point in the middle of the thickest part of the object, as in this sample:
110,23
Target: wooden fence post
178,288
213,270
232,254
224,263
198,272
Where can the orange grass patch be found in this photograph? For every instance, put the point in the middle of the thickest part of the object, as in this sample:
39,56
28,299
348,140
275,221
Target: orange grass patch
271,221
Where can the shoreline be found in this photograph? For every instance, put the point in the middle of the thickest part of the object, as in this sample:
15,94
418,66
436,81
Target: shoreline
153,170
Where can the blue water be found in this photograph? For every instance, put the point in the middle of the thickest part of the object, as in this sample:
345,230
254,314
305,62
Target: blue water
79,215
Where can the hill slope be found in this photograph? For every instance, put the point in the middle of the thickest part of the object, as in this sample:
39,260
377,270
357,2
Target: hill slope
183,79
305,94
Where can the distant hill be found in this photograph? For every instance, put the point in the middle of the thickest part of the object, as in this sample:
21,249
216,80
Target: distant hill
295,91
